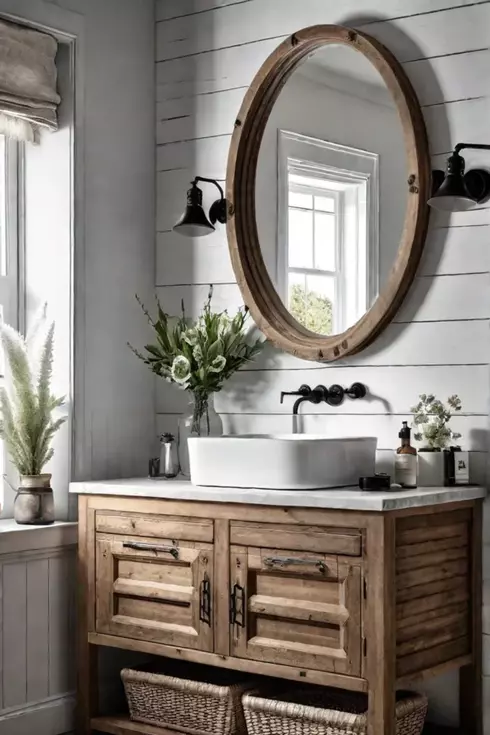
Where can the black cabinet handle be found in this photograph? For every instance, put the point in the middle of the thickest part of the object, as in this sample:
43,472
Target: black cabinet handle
156,548
237,606
287,561
205,601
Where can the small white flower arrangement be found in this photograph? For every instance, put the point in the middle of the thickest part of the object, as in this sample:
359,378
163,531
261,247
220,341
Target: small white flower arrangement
198,356
431,420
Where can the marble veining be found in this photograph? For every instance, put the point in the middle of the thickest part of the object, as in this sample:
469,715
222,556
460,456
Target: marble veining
344,499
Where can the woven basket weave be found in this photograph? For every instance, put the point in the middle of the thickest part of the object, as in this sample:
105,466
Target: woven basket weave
188,703
306,711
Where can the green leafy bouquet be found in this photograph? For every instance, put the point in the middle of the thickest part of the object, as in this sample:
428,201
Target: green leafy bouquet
27,405
431,419
198,356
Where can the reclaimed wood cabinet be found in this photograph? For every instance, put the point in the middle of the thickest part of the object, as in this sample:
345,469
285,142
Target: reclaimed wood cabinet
366,601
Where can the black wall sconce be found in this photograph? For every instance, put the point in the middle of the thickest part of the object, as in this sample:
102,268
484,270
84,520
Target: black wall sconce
194,222
455,190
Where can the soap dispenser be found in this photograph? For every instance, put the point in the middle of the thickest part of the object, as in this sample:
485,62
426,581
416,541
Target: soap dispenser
406,460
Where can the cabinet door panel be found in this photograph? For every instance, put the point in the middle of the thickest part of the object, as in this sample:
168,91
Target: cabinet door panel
155,590
296,608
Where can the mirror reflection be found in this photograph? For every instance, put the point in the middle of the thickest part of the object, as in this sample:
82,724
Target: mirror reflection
331,189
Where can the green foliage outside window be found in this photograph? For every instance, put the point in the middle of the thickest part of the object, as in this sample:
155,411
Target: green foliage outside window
312,310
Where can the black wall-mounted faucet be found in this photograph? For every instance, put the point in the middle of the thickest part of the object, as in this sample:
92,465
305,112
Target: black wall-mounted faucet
334,395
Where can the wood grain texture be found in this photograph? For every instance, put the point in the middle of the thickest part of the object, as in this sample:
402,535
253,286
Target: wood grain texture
300,613
433,591
470,686
380,624
87,654
221,601
124,726
315,538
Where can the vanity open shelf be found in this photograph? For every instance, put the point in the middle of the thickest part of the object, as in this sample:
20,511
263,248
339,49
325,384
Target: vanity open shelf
359,599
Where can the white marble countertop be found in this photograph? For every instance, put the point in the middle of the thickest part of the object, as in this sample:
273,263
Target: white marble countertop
345,498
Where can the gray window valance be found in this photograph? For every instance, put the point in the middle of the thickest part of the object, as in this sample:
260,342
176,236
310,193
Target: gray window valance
28,95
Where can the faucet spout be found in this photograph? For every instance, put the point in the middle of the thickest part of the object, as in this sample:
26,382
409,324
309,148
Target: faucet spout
298,403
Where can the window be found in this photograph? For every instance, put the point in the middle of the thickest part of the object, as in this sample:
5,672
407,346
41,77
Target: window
9,246
9,238
314,253
327,251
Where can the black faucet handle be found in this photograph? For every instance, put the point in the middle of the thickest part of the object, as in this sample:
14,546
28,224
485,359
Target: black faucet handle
357,390
304,391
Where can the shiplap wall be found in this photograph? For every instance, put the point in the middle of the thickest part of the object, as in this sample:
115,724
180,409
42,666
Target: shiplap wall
207,54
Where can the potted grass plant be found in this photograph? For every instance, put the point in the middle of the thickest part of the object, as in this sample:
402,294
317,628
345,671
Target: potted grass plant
198,356
431,419
27,424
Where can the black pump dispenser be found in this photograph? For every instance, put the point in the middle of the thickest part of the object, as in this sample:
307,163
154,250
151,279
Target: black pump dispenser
405,431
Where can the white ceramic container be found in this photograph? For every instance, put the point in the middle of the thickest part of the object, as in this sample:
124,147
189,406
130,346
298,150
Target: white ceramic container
280,462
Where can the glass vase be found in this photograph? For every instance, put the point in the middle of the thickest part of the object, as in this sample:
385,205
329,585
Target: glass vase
202,420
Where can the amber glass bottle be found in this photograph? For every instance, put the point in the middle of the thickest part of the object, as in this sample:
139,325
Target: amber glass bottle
406,460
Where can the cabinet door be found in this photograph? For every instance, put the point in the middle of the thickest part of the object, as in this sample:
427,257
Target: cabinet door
301,609
157,590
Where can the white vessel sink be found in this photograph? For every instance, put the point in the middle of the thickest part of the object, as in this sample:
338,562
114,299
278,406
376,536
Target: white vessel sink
280,462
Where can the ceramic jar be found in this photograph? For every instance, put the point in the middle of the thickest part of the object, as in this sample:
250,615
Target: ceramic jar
34,504
431,468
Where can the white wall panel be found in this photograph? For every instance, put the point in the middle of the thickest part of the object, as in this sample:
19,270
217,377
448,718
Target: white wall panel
37,636
411,38
208,52
37,630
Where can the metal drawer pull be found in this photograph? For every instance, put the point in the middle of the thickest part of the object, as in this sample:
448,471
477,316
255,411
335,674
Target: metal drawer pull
237,606
287,561
205,601
140,546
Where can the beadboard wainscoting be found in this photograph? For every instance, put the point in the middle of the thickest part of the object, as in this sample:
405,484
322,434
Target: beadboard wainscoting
37,628
207,54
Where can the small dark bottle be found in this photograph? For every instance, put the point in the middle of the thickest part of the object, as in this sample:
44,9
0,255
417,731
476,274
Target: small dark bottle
406,460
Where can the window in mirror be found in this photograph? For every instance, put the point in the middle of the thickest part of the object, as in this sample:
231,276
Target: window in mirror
327,253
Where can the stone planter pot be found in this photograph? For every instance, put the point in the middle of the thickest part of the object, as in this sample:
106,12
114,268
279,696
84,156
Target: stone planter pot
34,504
431,468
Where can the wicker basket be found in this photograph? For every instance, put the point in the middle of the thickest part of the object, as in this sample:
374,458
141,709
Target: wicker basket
315,711
187,698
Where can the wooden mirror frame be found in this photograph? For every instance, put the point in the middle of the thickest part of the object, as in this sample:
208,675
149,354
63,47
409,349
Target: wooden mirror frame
258,291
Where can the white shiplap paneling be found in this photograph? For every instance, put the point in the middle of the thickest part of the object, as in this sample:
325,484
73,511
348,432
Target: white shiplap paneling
417,36
453,250
259,391
208,51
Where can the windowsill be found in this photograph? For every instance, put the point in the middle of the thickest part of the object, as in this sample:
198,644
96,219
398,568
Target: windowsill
15,538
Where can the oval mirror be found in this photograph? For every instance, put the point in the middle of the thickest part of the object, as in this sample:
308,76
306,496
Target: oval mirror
328,180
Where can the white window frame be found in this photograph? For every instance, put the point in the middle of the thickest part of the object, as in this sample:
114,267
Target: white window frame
316,158
11,269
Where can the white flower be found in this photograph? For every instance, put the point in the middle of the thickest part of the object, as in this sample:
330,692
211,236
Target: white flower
218,364
181,369
197,352
190,336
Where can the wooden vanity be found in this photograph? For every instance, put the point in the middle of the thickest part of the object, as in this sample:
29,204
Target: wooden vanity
371,597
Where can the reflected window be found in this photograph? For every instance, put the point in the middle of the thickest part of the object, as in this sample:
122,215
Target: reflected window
313,253
328,240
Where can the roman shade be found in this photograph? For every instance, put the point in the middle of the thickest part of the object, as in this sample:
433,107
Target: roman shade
28,96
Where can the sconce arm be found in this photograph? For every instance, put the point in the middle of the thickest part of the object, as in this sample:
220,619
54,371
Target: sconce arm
477,146
210,181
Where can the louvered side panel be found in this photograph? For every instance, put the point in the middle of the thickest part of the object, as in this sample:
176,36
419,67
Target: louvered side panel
433,606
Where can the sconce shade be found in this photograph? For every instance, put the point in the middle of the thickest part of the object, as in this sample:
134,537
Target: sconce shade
459,191
452,195
193,222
